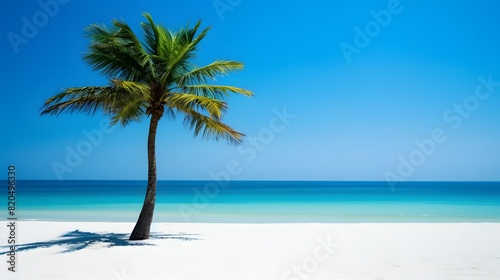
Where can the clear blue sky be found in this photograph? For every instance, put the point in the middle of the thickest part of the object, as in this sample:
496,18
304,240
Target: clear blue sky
359,101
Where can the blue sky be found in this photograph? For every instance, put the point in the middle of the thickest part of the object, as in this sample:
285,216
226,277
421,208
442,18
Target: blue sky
322,111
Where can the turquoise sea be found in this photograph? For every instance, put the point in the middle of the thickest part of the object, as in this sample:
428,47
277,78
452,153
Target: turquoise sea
260,201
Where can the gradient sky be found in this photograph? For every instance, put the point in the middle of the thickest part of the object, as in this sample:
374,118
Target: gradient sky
359,101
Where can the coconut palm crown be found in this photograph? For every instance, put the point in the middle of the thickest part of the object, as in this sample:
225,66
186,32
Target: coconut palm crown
155,78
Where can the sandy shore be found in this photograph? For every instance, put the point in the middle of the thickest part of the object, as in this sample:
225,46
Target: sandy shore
57,250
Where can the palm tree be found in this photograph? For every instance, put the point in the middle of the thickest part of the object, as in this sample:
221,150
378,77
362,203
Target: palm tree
153,78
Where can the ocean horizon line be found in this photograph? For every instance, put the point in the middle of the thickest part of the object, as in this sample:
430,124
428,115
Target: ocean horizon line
273,180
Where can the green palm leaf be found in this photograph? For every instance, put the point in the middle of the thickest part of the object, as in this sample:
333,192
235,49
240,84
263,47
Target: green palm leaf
216,91
210,71
211,128
187,102
83,99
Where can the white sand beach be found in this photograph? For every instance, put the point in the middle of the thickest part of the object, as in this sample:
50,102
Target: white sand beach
255,251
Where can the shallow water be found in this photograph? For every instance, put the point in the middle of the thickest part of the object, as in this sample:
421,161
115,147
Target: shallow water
261,201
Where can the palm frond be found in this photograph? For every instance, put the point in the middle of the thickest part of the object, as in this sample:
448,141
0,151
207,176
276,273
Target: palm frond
211,128
117,52
99,33
210,71
215,91
130,101
123,100
158,39
129,112
134,89
82,99
186,102
183,49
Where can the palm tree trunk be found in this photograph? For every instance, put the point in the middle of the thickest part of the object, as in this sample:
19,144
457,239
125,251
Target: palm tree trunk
143,225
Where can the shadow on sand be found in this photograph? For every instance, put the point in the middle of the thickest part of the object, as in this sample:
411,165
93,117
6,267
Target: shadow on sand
79,240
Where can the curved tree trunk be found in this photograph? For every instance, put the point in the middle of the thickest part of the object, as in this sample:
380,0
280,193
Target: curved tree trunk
143,225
